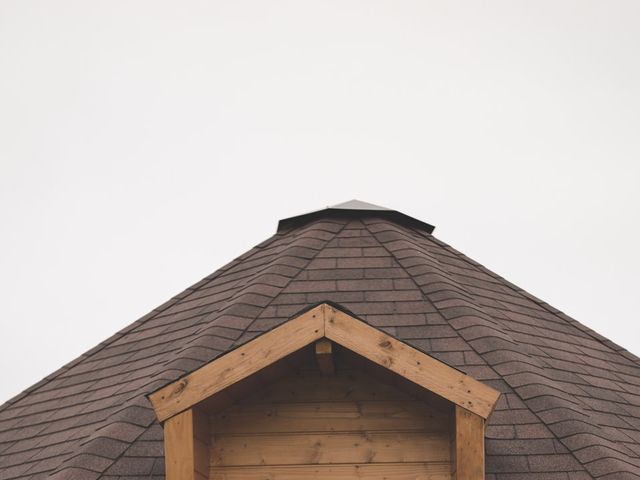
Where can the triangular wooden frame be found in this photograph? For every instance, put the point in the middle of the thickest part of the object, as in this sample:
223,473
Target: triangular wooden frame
325,321
185,439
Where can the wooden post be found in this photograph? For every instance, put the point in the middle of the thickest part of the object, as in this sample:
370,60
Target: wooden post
186,446
324,356
469,445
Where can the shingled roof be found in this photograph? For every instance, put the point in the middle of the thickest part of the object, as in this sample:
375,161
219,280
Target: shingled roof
570,404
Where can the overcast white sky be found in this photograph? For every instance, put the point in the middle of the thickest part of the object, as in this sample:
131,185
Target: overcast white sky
143,144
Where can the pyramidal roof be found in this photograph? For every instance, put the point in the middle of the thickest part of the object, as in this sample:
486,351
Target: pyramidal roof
570,403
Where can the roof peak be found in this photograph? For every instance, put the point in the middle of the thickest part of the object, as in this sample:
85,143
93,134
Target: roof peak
355,208
359,205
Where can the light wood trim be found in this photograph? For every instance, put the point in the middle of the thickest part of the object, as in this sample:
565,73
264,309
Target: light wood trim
330,448
452,442
324,357
341,328
188,440
201,443
410,363
239,363
469,445
389,416
178,447
329,427
380,471
186,457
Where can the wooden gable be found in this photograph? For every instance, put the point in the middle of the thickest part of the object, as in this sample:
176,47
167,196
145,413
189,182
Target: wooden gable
324,396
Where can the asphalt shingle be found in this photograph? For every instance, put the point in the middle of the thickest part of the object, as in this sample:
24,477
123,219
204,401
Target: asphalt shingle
570,408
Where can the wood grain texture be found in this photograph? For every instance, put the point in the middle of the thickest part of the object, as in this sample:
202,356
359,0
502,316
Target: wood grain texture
341,328
283,421
201,443
328,416
324,356
330,448
389,471
469,445
239,364
346,425
410,363
187,446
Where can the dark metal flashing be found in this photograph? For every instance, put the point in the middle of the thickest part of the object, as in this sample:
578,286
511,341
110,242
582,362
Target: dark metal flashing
355,209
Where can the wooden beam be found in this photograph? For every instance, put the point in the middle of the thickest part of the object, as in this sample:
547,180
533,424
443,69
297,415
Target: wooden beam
239,364
469,445
324,357
410,363
363,471
186,446
341,328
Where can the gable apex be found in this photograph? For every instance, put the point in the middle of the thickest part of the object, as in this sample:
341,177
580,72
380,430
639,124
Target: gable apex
324,321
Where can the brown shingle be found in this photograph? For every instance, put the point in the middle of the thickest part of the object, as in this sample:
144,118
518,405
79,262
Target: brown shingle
570,408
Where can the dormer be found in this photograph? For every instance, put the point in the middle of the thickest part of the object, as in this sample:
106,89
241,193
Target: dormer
324,396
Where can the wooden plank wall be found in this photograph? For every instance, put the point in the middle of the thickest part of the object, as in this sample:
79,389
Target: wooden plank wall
341,426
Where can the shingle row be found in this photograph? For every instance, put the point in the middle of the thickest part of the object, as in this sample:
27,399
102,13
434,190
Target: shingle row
570,408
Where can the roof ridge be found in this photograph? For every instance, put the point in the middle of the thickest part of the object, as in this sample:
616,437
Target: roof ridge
558,403
138,400
408,275
233,306
132,326
483,325
301,270
571,401
541,303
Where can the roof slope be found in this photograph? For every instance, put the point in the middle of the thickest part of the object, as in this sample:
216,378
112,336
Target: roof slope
570,408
